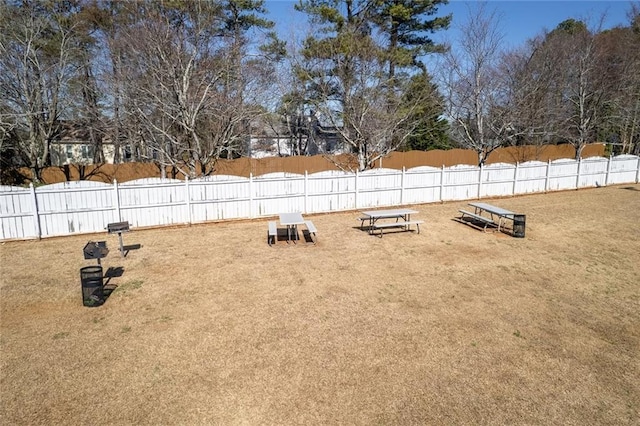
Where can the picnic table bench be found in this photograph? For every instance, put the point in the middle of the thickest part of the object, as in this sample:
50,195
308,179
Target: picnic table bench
311,228
487,221
272,233
400,224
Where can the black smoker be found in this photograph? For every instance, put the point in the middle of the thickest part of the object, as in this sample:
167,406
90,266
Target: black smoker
92,286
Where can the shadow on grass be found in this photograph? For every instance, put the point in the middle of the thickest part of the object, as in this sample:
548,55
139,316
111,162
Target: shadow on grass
108,287
474,223
301,236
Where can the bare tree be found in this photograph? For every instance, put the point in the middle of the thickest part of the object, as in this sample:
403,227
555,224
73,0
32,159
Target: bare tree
345,74
572,85
621,70
370,120
188,69
581,86
471,87
528,77
38,52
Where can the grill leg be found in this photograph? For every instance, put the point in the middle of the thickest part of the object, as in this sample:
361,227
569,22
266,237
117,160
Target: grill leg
121,246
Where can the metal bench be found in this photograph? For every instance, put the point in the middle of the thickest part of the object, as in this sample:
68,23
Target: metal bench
312,230
272,234
399,224
487,221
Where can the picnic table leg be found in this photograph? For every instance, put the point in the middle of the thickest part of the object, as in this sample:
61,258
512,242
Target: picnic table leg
292,233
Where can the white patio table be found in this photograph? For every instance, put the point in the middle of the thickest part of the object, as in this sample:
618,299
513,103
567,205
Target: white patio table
291,221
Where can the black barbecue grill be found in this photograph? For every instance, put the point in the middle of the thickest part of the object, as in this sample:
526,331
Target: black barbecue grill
118,228
95,250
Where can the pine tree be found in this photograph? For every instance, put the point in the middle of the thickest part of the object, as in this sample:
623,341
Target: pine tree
351,76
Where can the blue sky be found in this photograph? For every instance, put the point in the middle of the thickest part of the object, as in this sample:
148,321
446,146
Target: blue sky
521,19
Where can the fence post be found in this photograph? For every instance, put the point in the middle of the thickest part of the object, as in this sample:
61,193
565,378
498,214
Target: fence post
480,182
578,177
515,179
606,179
306,191
250,195
546,182
188,198
34,206
356,195
116,200
638,171
442,183
402,186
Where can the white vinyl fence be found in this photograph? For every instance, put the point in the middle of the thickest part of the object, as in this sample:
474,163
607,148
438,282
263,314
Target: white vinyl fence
87,207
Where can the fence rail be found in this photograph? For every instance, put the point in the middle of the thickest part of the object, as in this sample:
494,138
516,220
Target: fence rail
87,207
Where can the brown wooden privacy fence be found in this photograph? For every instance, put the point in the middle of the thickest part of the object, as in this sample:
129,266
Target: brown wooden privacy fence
250,166
87,206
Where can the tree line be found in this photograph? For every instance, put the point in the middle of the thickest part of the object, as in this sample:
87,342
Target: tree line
184,82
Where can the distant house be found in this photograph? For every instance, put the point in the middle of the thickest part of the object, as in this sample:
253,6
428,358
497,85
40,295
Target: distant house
266,139
279,138
328,139
74,146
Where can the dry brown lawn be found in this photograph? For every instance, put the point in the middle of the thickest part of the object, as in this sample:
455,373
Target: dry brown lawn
210,325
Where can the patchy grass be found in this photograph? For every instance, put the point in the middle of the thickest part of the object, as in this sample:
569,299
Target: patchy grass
128,286
210,325
60,335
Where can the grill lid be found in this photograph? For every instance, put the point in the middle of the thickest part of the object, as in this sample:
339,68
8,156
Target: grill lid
95,250
117,227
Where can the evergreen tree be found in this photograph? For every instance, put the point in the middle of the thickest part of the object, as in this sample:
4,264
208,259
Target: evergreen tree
431,130
406,27
351,76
